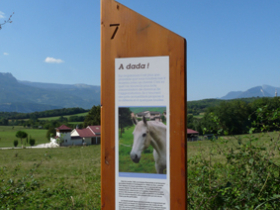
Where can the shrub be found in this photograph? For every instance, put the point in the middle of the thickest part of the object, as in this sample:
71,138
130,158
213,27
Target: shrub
32,142
15,143
21,135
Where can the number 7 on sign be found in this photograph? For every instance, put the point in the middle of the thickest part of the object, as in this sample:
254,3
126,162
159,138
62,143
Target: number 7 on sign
117,27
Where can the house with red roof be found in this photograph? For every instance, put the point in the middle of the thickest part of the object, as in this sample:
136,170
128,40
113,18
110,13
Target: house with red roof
192,135
86,136
89,135
63,133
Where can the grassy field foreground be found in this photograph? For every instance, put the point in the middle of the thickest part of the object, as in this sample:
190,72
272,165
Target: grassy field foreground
235,172
218,177
60,178
219,147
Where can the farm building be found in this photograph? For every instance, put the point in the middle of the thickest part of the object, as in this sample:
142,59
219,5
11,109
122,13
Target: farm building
149,115
192,135
155,115
89,135
145,114
62,132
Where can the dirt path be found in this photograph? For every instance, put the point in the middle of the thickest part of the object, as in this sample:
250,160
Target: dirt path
47,145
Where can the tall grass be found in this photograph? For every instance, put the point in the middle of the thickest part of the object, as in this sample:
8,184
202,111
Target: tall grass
240,172
61,178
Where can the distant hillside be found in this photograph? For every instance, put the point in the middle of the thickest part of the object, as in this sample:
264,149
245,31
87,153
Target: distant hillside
23,96
259,91
45,115
197,107
89,94
232,94
200,106
57,86
26,107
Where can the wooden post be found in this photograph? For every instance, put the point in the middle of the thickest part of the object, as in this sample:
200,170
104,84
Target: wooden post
124,34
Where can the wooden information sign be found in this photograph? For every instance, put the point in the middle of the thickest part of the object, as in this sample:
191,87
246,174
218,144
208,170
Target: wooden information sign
143,104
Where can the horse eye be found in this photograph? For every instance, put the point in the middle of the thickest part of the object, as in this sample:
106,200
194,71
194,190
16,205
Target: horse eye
144,135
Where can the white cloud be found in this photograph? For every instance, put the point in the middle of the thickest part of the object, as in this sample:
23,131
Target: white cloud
53,60
5,53
2,14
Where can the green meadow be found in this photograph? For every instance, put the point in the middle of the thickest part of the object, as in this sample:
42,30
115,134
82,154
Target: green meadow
200,116
58,178
146,164
67,116
8,135
57,117
151,109
74,123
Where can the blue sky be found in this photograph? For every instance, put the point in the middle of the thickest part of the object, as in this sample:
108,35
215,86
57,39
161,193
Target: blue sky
232,44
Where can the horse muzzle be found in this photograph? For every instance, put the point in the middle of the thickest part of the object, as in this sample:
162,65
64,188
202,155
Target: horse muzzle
135,158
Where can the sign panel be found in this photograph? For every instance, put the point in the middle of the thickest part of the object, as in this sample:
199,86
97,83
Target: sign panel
143,79
142,147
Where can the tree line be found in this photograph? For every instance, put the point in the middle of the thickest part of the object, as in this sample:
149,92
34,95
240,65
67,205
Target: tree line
237,116
197,107
92,118
31,119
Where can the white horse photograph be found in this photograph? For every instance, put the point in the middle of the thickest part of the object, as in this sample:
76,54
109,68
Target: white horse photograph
148,133
142,140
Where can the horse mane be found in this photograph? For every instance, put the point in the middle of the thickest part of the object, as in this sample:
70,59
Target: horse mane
157,124
157,130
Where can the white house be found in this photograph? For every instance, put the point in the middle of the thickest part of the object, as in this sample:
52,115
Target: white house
63,133
88,136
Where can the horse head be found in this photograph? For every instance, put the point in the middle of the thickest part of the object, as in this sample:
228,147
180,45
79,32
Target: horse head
141,140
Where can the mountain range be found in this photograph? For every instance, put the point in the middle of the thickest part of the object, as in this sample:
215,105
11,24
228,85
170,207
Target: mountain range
258,91
24,96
